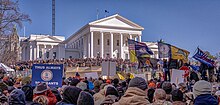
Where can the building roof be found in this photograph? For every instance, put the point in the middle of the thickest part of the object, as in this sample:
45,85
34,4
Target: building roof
47,38
115,21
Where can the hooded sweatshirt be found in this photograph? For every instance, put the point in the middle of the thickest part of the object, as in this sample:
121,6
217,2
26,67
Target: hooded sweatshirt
70,96
205,99
133,96
85,98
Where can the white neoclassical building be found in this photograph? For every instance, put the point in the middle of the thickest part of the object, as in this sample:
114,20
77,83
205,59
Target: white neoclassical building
38,47
106,37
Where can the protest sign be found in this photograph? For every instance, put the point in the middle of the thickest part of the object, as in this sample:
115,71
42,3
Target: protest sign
105,68
177,76
48,73
94,75
108,68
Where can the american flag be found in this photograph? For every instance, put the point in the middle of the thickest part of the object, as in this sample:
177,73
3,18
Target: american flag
203,58
131,44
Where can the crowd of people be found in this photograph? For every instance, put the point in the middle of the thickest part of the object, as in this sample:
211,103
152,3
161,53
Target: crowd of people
72,62
89,91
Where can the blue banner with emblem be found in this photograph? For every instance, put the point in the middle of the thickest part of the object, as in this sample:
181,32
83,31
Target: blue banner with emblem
48,73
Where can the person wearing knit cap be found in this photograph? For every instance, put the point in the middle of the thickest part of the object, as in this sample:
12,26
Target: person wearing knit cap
167,87
160,98
135,94
85,98
111,95
74,82
139,83
202,93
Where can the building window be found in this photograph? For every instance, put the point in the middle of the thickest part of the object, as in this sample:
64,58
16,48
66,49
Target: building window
54,55
47,54
79,43
40,54
117,42
98,41
82,42
108,42
117,55
126,56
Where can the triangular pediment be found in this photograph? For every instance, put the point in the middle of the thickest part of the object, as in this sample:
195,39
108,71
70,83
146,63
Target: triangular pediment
45,38
116,21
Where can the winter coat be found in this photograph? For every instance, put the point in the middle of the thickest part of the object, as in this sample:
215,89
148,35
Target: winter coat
17,97
161,102
168,97
133,96
28,91
50,96
70,95
99,97
64,103
109,100
179,103
205,99
85,98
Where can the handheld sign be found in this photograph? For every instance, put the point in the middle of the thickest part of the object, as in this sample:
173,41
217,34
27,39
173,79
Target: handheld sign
177,76
48,73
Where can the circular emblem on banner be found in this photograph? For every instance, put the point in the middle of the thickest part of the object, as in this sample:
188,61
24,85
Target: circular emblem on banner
46,75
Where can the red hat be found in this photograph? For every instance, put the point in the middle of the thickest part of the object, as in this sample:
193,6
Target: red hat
108,81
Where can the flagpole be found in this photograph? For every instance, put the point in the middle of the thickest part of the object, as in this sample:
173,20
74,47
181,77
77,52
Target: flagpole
97,14
195,50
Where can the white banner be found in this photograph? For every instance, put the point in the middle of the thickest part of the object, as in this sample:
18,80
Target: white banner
177,76
94,75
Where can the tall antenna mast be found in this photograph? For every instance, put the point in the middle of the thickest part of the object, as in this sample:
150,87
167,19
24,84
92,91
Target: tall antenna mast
53,17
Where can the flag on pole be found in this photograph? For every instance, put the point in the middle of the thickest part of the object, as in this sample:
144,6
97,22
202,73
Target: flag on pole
203,58
137,50
177,53
121,77
164,50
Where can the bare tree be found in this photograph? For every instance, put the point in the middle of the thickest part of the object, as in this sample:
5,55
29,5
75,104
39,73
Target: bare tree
10,16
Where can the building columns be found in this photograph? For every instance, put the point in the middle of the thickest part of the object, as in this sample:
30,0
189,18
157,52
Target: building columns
91,40
121,45
38,51
31,52
45,51
111,45
139,38
130,36
101,44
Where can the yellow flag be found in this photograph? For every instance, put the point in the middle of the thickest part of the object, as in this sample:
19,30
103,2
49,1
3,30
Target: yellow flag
133,57
121,77
177,53
131,75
